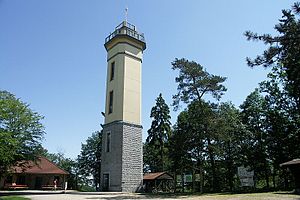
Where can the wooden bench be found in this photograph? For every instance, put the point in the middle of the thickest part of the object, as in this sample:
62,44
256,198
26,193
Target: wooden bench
15,186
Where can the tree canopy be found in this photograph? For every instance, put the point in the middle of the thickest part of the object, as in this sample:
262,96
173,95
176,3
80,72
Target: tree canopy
283,51
158,136
21,131
194,82
89,159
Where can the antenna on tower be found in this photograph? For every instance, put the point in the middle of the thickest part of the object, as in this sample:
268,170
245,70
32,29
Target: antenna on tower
126,14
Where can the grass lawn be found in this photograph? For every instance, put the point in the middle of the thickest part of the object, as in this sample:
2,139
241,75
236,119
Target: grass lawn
222,196
13,198
253,196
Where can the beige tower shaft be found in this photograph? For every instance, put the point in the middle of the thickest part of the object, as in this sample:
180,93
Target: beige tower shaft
124,58
122,154
124,80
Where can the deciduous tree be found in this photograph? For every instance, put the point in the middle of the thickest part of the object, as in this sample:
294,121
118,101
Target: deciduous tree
21,131
89,159
64,163
254,117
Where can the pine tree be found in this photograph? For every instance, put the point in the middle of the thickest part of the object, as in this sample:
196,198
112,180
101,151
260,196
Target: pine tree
282,89
194,82
283,51
159,133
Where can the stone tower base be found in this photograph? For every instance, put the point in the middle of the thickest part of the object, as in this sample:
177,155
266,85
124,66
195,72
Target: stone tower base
122,158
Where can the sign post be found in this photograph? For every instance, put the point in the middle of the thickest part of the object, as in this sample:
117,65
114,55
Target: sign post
246,176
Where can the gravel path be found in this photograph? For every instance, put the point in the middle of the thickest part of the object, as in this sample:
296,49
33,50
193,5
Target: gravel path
74,195
84,196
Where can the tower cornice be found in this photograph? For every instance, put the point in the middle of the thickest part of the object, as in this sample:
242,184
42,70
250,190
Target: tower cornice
125,32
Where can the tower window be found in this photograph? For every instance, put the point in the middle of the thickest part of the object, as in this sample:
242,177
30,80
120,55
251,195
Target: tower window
112,71
108,142
111,99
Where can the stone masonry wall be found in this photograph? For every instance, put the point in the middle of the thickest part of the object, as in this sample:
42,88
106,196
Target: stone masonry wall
132,158
111,162
124,162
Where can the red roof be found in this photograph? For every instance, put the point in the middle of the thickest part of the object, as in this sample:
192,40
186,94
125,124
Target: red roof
157,175
41,166
291,162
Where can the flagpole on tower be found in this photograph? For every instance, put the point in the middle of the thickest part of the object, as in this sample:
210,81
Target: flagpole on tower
126,14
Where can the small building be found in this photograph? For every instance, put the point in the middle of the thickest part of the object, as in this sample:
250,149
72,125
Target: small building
158,182
294,167
41,174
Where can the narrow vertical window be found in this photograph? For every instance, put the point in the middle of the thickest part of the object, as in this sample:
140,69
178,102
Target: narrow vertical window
111,99
112,71
108,142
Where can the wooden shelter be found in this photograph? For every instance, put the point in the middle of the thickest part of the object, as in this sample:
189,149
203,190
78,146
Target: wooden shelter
158,182
294,167
41,174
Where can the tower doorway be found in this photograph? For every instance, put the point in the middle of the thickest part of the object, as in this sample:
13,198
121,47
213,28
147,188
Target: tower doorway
105,182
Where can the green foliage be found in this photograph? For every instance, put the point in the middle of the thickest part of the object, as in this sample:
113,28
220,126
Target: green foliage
281,113
89,160
61,161
150,158
179,147
200,117
64,163
81,170
283,52
254,117
86,188
194,82
208,140
21,131
214,139
232,136
158,136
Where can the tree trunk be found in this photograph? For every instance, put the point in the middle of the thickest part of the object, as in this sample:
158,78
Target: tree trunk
273,178
162,156
267,175
286,181
175,182
267,179
213,167
182,181
200,171
230,168
201,182
193,178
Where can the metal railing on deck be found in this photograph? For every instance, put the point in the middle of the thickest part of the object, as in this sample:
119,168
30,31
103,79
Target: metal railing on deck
126,28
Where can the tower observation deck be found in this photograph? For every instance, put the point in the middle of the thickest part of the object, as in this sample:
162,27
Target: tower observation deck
125,29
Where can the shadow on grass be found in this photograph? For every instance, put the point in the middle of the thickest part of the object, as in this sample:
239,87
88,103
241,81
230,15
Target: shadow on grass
146,196
288,193
195,195
155,196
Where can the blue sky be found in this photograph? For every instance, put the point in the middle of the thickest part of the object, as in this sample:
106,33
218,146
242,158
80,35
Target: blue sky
52,54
